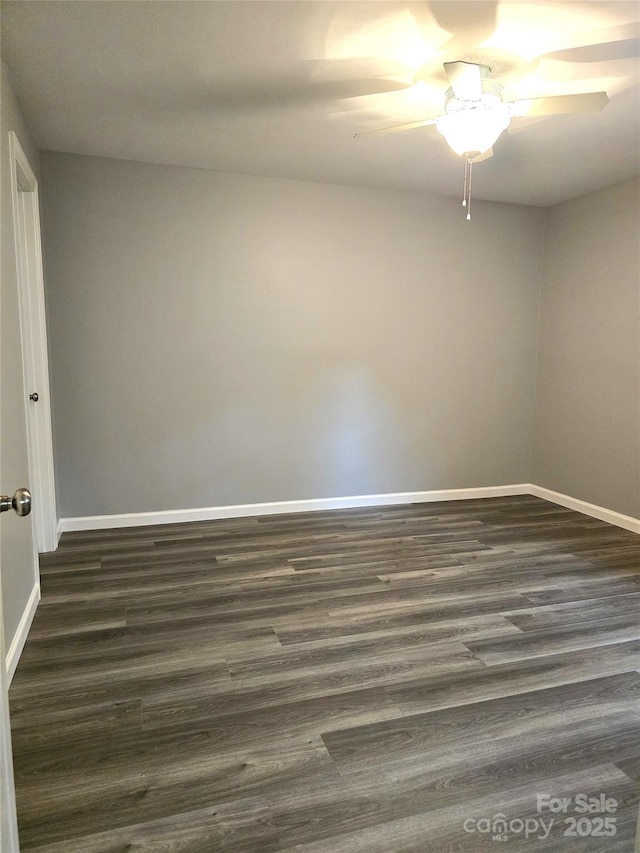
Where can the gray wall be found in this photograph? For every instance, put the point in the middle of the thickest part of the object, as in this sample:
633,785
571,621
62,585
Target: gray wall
220,339
587,423
17,554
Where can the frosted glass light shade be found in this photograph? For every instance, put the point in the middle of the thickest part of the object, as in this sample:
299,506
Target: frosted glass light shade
473,131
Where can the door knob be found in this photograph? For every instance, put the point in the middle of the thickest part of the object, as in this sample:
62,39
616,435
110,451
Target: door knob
20,502
34,397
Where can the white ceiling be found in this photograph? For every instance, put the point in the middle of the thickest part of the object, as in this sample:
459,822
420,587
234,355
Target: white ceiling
260,87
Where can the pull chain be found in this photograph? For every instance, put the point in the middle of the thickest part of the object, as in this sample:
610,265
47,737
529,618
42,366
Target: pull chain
469,193
466,169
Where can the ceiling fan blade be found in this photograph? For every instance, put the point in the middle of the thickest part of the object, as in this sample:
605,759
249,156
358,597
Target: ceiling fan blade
485,156
398,128
270,94
604,45
604,52
343,89
465,79
470,22
351,78
303,83
590,102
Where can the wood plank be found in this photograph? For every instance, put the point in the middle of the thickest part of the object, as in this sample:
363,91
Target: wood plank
239,826
492,721
433,692
572,637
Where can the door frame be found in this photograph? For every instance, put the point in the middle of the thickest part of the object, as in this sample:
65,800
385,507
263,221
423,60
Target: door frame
35,360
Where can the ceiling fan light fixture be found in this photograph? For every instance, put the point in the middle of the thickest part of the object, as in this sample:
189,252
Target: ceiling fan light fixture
476,113
473,131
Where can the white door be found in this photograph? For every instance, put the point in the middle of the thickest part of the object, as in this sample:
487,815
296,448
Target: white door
29,353
26,216
8,821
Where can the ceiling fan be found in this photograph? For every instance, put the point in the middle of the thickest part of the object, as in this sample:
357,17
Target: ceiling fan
476,113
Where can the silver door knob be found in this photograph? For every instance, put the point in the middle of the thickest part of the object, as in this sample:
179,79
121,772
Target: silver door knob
20,502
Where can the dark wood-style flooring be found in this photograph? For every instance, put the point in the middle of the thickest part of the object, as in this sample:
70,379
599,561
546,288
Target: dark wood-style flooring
362,681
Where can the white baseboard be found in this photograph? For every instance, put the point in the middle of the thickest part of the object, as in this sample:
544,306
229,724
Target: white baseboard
20,636
136,519
608,515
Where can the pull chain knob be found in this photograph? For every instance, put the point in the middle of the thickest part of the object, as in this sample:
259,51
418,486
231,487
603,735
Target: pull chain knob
34,397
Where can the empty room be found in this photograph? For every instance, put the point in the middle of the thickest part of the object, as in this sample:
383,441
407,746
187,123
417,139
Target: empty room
320,426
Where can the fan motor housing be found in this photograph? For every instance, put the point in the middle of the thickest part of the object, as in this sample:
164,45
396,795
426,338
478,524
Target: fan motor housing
491,97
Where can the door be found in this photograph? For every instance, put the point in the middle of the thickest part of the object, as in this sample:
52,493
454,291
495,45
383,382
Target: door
33,330
8,820
19,581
